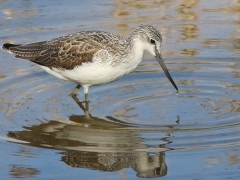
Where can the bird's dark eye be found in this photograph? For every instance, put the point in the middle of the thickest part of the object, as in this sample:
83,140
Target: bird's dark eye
152,41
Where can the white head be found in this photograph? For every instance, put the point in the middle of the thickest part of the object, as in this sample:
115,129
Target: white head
148,38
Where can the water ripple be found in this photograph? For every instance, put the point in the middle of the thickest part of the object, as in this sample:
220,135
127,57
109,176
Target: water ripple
133,121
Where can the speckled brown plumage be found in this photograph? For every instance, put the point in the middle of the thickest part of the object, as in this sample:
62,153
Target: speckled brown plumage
69,51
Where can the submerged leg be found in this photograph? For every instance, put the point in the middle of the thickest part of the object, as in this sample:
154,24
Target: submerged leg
85,89
85,109
86,98
86,101
75,90
73,94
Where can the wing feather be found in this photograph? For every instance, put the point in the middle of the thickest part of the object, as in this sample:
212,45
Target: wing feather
64,52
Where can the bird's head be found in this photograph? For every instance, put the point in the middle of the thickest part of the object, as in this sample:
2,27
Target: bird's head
149,39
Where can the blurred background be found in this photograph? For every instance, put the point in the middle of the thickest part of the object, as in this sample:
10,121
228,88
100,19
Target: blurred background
190,28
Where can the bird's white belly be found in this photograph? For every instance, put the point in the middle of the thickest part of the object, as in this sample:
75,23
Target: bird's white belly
47,69
92,73
99,71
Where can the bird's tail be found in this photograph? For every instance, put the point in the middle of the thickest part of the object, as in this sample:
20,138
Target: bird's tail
27,51
7,47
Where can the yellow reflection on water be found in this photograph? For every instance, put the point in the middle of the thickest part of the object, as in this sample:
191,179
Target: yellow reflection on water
185,10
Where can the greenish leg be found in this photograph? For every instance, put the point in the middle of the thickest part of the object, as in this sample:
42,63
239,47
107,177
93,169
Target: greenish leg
75,90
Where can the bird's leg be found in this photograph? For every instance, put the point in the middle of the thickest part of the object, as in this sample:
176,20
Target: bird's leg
78,102
86,102
85,109
86,105
75,90
73,94
86,98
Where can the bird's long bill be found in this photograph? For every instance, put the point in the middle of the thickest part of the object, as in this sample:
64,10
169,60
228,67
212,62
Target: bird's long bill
162,64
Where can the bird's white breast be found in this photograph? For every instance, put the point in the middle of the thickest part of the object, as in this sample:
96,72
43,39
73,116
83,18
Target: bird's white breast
103,68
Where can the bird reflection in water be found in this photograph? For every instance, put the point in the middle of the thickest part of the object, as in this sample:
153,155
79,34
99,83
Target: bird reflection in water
105,145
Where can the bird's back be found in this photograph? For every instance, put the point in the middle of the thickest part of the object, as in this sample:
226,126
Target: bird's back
68,51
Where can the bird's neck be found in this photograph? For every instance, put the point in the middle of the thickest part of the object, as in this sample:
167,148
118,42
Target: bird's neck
135,55
137,49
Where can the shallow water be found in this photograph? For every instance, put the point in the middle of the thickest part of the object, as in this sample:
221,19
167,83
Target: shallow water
138,126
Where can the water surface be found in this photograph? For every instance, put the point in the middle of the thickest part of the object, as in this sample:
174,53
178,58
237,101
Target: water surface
138,127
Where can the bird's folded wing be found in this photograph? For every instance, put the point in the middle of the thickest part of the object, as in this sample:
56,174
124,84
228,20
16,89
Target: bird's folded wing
65,52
